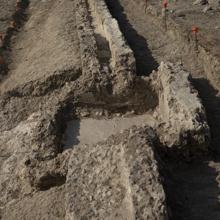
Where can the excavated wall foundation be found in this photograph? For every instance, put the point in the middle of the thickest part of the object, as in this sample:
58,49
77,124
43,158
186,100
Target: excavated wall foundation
118,176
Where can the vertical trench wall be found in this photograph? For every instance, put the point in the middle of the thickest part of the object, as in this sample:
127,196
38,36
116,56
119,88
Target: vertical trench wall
180,110
88,46
122,63
123,60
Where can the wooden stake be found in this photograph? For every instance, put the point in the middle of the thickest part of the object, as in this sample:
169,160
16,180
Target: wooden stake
164,10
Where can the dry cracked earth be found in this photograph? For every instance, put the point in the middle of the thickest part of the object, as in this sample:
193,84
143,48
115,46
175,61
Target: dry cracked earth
109,110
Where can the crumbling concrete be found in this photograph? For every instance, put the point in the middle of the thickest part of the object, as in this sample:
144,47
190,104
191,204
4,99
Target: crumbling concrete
180,110
123,62
122,56
32,137
120,82
116,179
88,46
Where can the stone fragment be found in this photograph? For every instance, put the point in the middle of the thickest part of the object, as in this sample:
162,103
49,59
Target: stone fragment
180,110
116,179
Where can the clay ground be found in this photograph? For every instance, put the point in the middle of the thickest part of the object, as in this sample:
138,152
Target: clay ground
46,47
193,188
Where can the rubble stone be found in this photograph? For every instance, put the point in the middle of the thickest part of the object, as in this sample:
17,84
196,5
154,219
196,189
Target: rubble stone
116,179
180,110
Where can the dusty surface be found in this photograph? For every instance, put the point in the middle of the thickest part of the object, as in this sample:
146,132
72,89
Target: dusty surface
55,48
91,129
49,206
6,11
182,118
183,179
116,179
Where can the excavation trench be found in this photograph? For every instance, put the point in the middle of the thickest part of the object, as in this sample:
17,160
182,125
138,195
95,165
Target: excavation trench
18,18
89,131
135,39
192,189
186,185
104,52
107,54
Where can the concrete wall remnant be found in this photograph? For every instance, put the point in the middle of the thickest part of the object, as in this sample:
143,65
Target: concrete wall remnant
182,115
116,179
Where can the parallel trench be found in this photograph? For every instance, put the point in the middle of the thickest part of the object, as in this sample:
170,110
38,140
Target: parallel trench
191,187
93,128
136,41
104,52
19,17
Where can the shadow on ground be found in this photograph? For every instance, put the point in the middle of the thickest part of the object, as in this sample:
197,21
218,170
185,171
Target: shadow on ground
211,101
145,63
71,134
192,189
